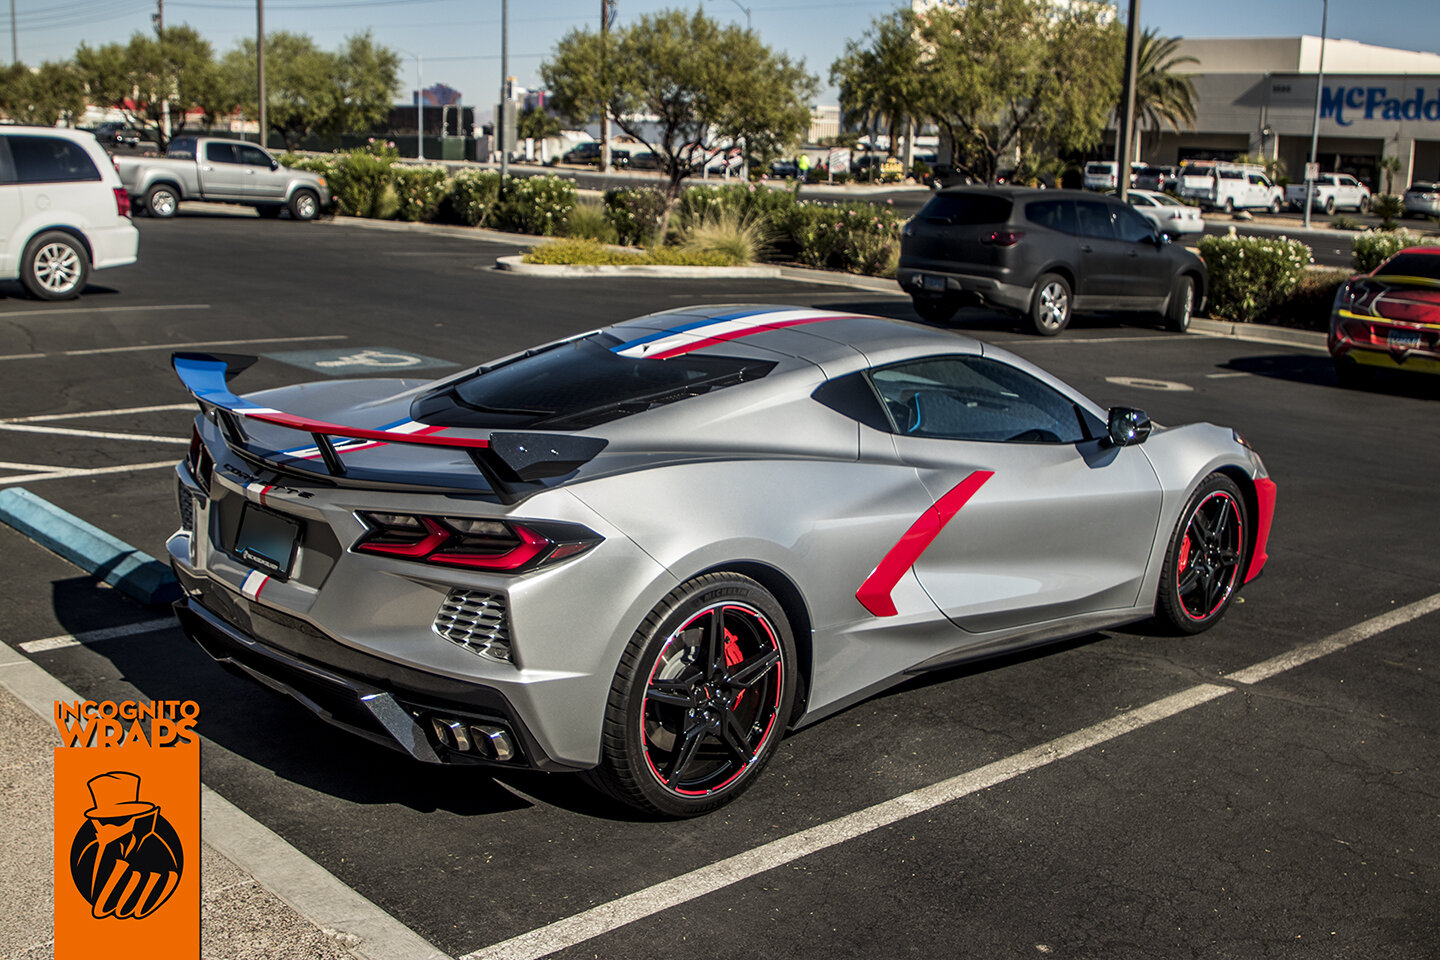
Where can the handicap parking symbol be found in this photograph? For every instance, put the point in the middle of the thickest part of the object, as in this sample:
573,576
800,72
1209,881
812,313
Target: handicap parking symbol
346,361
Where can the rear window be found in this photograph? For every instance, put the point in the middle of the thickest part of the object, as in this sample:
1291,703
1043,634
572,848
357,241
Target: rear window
1411,265
1198,172
967,208
50,160
578,384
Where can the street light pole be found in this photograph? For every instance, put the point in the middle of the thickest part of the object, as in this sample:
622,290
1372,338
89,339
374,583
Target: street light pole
420,106
260,65
747,12
504,92
1127,116
1315,123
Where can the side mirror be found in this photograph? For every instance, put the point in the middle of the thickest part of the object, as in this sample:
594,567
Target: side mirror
1128,426
1161,237
274,164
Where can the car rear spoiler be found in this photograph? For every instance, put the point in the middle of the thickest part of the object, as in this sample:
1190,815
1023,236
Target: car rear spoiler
511,464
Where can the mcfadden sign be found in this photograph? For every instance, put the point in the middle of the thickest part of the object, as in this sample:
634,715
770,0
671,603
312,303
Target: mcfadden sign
1345,105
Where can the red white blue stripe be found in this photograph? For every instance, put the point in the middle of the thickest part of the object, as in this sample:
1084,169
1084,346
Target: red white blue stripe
683,339
255,582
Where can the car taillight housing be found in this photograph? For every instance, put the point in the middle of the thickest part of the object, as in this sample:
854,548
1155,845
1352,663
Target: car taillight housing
199,461
122,202
502,546
1004,238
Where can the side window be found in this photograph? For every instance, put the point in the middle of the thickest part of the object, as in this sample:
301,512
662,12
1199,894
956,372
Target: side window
220,153
1349,182
1055,214
1231,175
253,156
1131,227
974,398
50,160
1094,218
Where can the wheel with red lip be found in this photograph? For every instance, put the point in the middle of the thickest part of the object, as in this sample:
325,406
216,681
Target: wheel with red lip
1205,562
701,698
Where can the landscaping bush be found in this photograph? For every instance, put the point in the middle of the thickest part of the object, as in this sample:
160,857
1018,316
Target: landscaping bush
1251,275
636,213
587,221
419,192
576,251
325,166
1373,249
472,197
728,235
1308,307
363,183
537,205
1388,208
1343,222
857,238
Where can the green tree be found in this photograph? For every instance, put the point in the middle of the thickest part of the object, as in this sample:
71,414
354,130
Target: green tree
535,123
1162,95
138,77
368,79
705,86
43,96
882,78
1017,81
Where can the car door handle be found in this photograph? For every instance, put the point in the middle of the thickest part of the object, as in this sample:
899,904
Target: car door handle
1086,248
250,173
207,169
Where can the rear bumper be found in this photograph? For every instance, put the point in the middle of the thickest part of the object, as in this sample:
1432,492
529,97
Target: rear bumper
992,291
114,246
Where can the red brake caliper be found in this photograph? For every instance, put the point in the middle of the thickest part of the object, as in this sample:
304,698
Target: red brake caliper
733,656
1185,552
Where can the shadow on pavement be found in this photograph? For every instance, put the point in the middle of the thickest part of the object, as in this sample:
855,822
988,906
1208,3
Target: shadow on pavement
1311,369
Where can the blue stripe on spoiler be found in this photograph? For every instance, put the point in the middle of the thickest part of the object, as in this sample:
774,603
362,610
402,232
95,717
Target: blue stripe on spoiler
205,378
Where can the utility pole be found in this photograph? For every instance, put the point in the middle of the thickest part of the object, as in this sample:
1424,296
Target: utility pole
14,38
504,93
1315,123
159,19
420,107
607,15
1123,155
260,65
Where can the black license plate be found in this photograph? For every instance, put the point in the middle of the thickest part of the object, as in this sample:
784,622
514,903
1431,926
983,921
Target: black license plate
267,541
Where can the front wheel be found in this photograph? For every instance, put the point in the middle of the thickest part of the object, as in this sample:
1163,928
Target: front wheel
700,700
1274,206
304,205
54,266
1050,305
1365,206
1203,563
1182,305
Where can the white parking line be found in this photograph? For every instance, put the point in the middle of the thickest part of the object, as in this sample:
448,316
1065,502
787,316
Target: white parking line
134,309
98,434
172,346
64,473
1224,376
95,636
98,413
607,917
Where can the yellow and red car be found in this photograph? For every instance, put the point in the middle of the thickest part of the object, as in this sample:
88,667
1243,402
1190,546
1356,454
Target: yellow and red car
1389,318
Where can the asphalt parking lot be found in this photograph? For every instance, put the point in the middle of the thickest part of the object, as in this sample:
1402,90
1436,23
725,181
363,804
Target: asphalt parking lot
1127,794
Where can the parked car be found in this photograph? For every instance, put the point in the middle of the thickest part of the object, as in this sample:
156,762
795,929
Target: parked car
1230,186
1389,318
1102,174
1157,178
1331,192
1423,199
1044,253
646,160
63,211
112,135
222,171
648,551
1173,218
583,153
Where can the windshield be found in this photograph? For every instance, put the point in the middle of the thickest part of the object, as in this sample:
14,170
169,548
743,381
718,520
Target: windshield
1165,200
578,384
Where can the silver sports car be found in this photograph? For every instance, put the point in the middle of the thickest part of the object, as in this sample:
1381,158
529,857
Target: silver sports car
648,551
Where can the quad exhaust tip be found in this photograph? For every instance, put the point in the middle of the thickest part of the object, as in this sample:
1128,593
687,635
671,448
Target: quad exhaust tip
485,739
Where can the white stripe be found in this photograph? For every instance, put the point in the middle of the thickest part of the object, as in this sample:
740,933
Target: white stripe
101,434
94,636
198,343
98,413
63,473
611,916
720,328
1336,641
697,883
140,309
254,583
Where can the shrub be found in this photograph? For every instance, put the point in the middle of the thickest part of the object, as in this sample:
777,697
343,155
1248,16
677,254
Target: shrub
728,235
419,192
363,183
636,213
325,166
575,251
857,238
1250,275
1308,307
1373,249
587,221
472,197
1343,222
1388,208
536,205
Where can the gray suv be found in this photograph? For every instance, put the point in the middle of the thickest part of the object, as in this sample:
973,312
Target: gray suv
1045,254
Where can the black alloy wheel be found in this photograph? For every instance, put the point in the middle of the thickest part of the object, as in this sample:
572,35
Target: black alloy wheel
1204,563
701,698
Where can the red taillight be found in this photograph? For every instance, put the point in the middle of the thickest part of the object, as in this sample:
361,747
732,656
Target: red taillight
476,544
1004,238
122,202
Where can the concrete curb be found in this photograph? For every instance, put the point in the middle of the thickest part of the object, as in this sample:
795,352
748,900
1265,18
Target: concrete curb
88,547
1255,333
568,271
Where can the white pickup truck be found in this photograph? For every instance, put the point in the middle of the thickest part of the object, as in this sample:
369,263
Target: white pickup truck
222,171
1333,191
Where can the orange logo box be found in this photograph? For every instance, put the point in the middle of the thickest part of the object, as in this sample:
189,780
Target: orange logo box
127,832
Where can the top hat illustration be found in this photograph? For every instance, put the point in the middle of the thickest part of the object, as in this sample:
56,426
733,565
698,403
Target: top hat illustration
117,794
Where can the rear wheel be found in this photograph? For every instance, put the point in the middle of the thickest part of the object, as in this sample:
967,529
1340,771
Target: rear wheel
700,699
1329,205
1275,205
935,309
1050,305
54,266
1203,563
1182,305
162,201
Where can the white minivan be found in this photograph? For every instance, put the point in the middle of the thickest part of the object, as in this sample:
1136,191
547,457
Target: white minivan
63,211
1102,174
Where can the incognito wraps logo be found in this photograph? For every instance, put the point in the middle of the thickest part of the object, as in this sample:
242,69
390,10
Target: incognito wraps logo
127,830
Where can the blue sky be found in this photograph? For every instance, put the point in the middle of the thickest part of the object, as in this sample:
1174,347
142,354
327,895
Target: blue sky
460,39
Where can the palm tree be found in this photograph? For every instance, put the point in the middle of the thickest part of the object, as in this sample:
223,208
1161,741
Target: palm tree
880,83
1162,96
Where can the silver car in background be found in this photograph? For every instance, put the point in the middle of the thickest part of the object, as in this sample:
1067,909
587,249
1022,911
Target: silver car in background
1170,216
647,551
222,171
1423,199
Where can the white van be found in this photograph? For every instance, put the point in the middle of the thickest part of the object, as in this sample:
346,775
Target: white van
63,211
1229,186
1101,174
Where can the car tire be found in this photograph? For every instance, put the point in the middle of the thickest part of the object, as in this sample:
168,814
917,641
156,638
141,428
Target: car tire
304,205
935,309
162,201
1181,306
1329,205
700,700
1274,207
1365,206
1205,561
1050,305
269,211
54,266
1229,206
